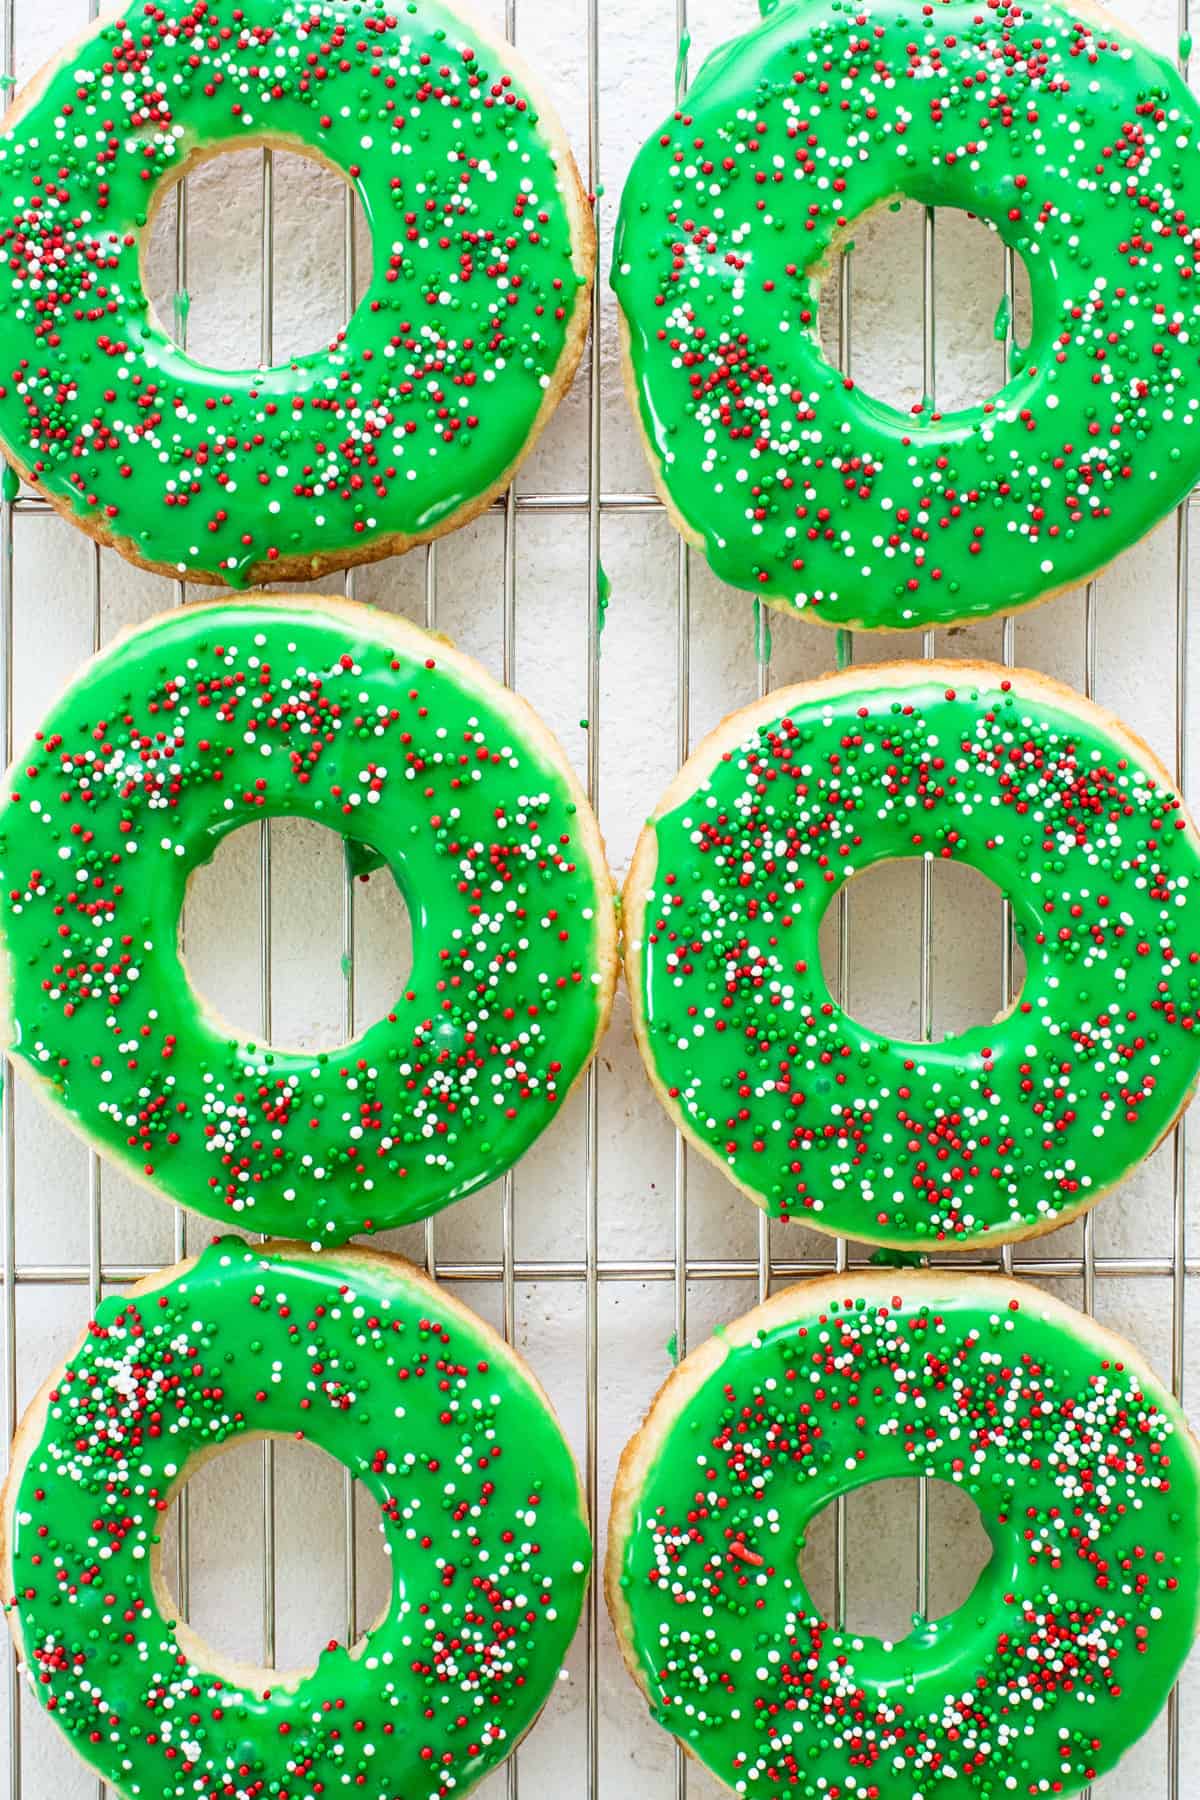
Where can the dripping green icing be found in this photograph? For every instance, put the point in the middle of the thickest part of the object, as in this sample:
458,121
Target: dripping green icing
1087,1483
479,1505
219,715
426,398
10,483
362,860
990,1132
603,596
1003,319
810,493
682,53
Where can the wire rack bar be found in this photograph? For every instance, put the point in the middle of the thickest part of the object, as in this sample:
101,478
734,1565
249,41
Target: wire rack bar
734,1268
1008,656
349,1023
611,505
265,930
762,655
508,1289
683,744
928,649
1089,1223
8,1172
591,1147
1179,1145
183,1529
845,644
28,505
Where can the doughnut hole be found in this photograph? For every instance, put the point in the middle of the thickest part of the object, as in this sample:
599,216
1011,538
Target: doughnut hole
309,958
975,325
227,1562
885,910
216,306
881,1564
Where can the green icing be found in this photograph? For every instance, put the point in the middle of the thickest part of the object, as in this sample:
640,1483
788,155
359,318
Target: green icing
219,715
998,1130
182,306
762,634
362,861
1002,322
1086,1480
423,402
683,51
479,1505
603,596
896,1259
1078,145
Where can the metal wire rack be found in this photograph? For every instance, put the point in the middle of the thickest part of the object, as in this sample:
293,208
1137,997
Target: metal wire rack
587,1270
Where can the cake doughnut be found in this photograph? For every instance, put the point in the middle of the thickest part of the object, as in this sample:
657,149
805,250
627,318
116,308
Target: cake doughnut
220,714
1073,141
417,414
999,1132
1088,1484
479,1501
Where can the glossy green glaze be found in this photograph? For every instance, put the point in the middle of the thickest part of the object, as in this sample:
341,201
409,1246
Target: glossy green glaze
422,403
1077,144
479,1504
1000,1130
1087,1483
219,715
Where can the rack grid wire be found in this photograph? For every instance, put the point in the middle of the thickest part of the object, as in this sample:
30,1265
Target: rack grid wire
588,1270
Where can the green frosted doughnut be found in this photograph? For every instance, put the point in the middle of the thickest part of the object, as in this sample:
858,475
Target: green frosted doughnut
1088,1484
479,1504
999,1132
417,413
1077,144
217,715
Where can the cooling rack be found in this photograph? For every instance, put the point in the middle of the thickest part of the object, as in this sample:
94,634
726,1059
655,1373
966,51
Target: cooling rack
602,1768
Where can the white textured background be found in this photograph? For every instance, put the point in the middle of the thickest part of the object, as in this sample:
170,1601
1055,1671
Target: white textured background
56,612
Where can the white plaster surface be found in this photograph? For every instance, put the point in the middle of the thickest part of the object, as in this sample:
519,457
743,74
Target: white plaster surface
1136,674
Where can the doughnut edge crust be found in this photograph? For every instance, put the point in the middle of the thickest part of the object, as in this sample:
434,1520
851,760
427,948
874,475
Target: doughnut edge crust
305,565
894,677
345,1260
1100,19
805,1300
366,621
